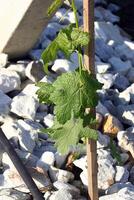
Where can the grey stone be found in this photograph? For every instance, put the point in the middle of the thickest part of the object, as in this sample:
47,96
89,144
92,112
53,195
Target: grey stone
130,75
35,54
120,66
103,50
3,59
51,30
108,31
131,178
122,174
34,71
9,80
5,102
116,187
108,16
24,24
111,107
101,109
124,52
60,159
121,82
24,106
12,194
103,140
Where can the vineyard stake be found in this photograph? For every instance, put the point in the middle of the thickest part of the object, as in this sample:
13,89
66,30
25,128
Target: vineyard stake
88,14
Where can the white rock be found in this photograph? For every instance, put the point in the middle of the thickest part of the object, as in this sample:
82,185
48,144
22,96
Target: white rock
84,178
28,134
126,140
10,129
63,65
34,71
106,173
61,194
81,163
19,68
126,114
120,66
130,44
60,175
126,193
9,80
101,67
122,174
72,189
32,88
5,102
106,79
24,106
3,59
47,158
49,120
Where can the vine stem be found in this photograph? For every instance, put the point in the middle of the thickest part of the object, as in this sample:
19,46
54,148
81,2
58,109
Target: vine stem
88,13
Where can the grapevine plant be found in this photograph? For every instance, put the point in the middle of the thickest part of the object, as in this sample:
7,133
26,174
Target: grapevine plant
72,92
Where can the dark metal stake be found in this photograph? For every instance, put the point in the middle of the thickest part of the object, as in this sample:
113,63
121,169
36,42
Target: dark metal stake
37,195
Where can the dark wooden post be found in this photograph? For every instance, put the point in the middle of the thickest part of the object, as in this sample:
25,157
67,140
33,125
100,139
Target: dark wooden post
37,195
88,12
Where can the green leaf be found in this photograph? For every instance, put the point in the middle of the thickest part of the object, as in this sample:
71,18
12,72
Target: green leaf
49,54
44,92
79,38
73,93
68,40
64,41
54,6
69,134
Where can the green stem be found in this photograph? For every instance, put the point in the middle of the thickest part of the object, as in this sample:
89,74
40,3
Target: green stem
77,26
75,14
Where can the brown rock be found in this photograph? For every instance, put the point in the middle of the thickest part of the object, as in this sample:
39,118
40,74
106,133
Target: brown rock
111,125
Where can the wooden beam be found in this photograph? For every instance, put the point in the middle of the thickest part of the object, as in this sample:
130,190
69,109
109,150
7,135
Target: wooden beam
88,12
